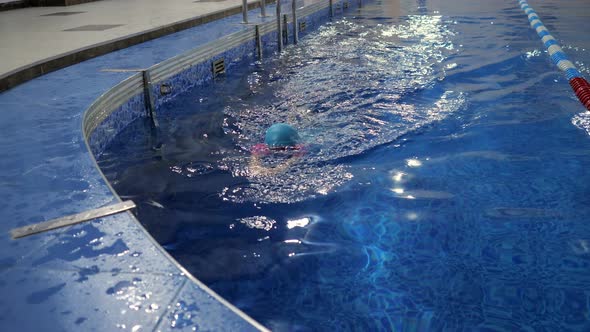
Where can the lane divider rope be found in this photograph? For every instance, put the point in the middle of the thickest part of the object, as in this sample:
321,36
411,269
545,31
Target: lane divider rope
578,83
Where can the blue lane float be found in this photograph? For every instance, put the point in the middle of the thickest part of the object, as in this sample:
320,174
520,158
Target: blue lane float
578,83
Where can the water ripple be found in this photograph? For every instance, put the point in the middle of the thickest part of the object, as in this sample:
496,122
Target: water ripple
357,92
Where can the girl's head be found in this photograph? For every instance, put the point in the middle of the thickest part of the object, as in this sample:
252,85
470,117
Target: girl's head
281,135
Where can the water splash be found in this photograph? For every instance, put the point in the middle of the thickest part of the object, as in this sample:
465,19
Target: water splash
348,89
582,121
259,222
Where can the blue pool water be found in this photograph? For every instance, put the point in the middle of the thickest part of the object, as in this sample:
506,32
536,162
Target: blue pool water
444,187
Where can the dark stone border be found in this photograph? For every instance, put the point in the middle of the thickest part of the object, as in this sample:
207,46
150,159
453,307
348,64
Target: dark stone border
45,66
13,5
37,3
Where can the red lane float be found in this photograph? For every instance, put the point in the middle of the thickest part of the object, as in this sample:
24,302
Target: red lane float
581,88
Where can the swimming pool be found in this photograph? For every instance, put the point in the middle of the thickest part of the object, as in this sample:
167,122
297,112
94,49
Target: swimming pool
444,185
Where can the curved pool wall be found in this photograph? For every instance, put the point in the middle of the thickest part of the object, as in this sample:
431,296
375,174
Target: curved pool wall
107,274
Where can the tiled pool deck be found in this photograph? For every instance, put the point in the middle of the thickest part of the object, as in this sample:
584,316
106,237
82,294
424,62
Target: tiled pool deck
37,40
107,274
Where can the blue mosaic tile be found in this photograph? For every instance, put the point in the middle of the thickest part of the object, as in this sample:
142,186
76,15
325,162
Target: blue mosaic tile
194,76
120,118
14,252
89,300
202,73
116,244
186,313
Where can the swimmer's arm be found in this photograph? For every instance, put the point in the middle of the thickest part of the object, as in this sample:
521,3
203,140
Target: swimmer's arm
256,168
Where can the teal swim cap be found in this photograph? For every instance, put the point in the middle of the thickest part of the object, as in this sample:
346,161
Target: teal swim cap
281,135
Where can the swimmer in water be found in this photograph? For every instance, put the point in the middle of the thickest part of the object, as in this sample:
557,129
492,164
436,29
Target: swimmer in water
279,137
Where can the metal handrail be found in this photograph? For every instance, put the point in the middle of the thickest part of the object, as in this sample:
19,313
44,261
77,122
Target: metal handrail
72,219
